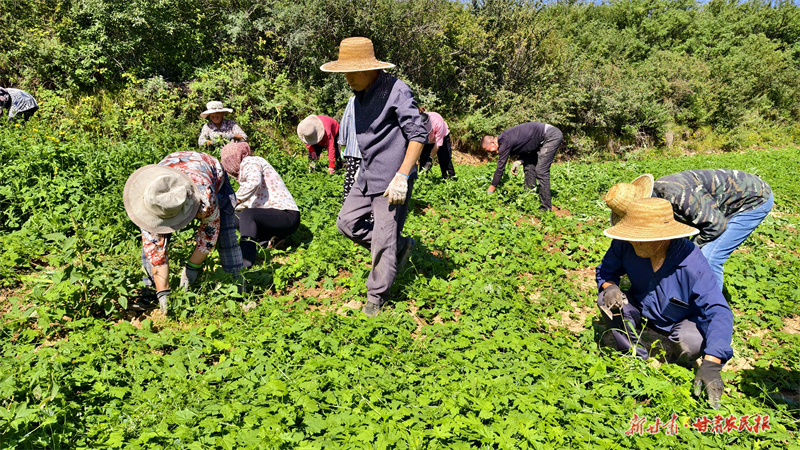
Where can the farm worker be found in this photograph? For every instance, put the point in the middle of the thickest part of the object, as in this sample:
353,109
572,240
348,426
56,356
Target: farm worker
725,205
163,198
265,210
672,286
18,103
321,133
351,154
438,144
536,144
390,137
218,130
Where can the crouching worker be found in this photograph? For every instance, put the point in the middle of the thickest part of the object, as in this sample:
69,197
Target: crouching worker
266,211
672,288
163,198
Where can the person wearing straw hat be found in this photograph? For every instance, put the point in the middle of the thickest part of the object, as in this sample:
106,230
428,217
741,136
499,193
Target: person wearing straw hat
672,288
390,135
438,144
725,205
535,143
218,130
266,210
163,198
321,133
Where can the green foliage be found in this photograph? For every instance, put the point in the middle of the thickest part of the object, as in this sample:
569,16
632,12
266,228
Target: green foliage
473,351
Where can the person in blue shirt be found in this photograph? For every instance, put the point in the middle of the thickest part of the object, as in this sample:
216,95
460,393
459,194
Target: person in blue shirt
673,291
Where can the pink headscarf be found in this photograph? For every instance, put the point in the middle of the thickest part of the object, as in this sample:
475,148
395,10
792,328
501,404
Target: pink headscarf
232,155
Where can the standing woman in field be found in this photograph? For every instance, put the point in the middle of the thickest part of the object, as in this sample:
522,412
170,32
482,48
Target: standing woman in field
218,130
438,144
163,198
266,210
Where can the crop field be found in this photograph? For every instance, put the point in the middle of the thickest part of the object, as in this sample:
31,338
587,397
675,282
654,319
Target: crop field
492,339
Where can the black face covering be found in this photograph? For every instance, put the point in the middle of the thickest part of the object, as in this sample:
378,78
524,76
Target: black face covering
5,99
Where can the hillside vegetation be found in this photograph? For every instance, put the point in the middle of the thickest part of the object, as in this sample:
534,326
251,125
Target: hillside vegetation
613,76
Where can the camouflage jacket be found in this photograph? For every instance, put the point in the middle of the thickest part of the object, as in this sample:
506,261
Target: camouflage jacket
705,199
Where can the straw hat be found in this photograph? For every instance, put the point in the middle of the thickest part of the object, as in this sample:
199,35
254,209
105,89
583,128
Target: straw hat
649,219
311,130
160,199
356,54
214,107
620,196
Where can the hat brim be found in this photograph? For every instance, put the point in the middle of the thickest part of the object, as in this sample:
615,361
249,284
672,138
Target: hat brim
207,112
133,197
346,67
644,189
319,130
658,232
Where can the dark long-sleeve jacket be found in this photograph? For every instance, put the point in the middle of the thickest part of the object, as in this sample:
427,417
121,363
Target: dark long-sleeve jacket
684,287
523,138
706,199
386,118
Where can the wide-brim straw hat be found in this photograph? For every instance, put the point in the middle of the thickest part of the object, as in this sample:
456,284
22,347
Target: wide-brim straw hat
310,130
356,54
214,107
620,196
647,220
160,199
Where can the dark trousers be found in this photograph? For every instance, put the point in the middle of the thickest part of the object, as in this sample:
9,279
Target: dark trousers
537,165
380,235
351,164
262,224
445,155
23,116
684,340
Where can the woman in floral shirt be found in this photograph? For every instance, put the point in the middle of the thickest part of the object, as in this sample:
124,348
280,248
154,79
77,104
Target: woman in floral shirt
266,209
163,198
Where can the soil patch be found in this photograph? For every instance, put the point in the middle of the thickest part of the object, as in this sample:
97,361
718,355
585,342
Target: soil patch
469,159
574,320
561,212
584,279
791,325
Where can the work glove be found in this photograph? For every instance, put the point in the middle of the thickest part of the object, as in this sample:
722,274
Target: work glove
189,276
397,190
613,298
515,168
163,298
331,170
427,166
708,378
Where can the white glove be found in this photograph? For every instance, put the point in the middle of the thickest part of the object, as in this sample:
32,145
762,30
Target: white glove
397,190
515,167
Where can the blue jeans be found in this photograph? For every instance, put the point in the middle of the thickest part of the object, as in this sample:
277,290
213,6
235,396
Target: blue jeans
739,227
